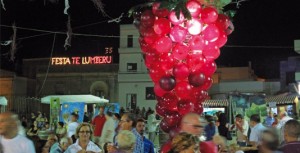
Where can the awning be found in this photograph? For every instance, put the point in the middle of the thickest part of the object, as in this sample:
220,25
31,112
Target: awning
215,103
282,99
88,99
3,100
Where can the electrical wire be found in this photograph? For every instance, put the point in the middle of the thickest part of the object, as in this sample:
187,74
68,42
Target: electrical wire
46,76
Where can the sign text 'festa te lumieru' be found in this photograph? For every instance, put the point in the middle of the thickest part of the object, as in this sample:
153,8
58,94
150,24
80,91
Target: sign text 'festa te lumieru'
85,60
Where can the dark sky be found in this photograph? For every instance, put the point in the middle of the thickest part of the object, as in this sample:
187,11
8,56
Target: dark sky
260,26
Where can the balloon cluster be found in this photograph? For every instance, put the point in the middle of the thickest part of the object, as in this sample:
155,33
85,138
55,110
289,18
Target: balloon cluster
180,54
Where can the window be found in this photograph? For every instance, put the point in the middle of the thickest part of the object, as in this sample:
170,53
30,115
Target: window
130,41
131,101
131,67
150,93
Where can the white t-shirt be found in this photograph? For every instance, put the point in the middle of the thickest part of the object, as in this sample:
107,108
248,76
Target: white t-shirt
18,144
242,135
108,131
74,148
72,128
151,123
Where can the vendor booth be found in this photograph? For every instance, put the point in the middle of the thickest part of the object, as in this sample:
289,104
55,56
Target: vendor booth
215,105
279,104
3,103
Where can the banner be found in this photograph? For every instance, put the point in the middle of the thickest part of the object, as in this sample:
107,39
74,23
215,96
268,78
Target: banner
72,107
54,111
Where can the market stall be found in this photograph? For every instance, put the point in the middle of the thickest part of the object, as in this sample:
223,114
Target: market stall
278,104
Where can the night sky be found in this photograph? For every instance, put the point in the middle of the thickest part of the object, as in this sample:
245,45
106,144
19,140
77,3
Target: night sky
264,31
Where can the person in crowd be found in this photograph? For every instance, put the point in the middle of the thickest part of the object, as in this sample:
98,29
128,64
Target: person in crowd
47,127
291,137
21,129
122,111
126,142
128,122
193,124
83,143
241,130
256,130
116,118
72,125
269,142
45,117
39,120
269,119
10,140
108,131
98,123
33,131
143,112
61,131
86,117
32,118
152,125
140,128
184,143
223,127
280,126
210,128
62,146
24,121
275,123
51,140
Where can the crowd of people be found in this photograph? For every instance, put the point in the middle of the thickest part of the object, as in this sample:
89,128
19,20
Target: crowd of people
126,133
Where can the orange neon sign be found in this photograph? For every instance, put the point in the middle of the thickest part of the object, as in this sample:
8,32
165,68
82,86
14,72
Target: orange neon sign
86,60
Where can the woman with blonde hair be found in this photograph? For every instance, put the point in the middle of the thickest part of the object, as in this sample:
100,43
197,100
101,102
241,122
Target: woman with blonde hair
185,143
83,143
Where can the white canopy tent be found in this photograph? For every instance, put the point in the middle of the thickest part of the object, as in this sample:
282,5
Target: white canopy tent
88,99
3,101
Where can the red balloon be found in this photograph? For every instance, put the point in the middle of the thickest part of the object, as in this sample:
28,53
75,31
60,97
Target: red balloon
199,95
210,32
158,11
185,106
183,89
178,34
144,46
223,21
161,109
194,8
162,26
164,126
195,61
167,83
207,84
211,53
197,79
172,119
150,58
166,147
166,61
209,15
156,72
222,39
163,45
180,51
181,71
173,18
158,90
170,101
198,108
194,26
209,68
147,18
196,43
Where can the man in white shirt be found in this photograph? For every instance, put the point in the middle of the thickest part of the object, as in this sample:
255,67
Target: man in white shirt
241,130
10,140
71,130
108,130
152,125
280,126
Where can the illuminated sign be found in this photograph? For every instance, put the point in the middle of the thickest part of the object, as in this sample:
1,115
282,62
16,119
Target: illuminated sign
86,60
